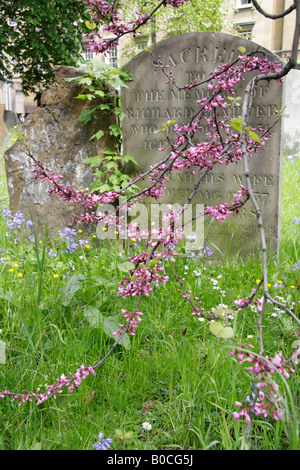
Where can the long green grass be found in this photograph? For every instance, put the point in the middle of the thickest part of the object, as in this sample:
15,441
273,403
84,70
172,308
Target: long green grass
176,375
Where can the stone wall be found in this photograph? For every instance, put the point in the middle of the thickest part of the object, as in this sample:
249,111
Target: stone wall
61,142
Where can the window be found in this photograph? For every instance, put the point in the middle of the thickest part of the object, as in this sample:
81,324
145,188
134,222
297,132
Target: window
243,3
245,30
88,55
141,42
112,57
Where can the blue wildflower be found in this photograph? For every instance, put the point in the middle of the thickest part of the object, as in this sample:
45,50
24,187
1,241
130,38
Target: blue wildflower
102,444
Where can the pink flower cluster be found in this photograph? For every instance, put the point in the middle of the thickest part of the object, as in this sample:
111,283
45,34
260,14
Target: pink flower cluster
133,319
222,211
72,381
266,400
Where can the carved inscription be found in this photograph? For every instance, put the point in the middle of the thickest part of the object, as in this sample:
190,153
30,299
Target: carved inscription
150,101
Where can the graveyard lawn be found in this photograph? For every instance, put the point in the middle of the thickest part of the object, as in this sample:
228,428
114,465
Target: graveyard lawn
171,386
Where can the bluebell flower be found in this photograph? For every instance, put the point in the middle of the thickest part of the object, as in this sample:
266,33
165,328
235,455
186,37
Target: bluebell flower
51,254
29,224
18,219
83,242
205,250
296,222
297,265
72,247
102,444
6,213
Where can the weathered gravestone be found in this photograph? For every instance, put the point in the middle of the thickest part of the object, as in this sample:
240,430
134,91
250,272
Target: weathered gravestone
150,101
62,143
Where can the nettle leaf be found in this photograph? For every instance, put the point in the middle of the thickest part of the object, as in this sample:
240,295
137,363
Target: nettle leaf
126,266
73,284
93,316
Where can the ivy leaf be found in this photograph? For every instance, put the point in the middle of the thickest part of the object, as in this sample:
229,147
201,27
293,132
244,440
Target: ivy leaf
98,135
94,161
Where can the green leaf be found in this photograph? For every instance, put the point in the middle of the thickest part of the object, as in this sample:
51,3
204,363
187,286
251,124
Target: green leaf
93,316
85,116
219,312
111,165
227,333
110,326
94,161
216,328
90,25
242,49
128,158
98,135
126,266
115,130
73,284
254,136
120,113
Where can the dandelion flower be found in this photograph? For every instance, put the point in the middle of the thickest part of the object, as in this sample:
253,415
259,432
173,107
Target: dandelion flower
20,274
11,270
55,275
16,265
292,287
88,246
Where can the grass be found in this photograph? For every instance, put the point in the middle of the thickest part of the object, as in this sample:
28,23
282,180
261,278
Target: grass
176,375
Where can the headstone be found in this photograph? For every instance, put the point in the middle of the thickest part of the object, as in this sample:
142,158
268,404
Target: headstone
62,143
150,101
